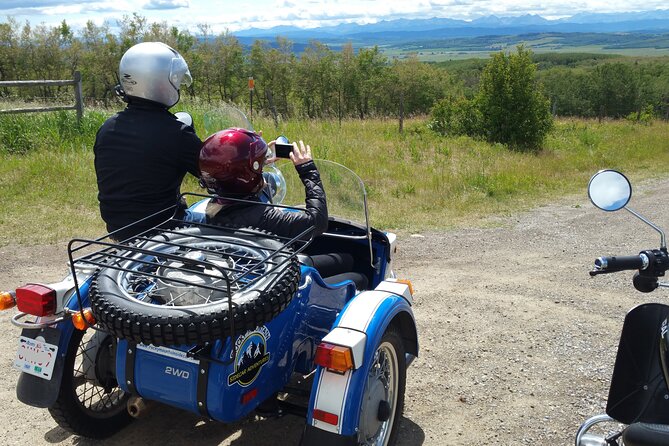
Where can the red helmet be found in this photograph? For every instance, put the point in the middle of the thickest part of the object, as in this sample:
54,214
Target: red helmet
231,162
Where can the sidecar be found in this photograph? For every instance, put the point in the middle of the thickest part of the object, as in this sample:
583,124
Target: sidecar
223,322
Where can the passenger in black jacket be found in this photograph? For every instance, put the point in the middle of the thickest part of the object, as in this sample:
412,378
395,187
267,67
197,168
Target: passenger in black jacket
231,164
143,153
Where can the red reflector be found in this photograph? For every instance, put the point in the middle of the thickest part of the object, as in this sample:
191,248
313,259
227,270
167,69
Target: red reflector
37,300
326,417
248,396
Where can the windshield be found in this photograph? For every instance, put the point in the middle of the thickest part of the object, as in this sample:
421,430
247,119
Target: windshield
345,191
223,117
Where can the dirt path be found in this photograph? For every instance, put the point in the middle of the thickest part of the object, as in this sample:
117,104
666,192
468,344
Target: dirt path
517,340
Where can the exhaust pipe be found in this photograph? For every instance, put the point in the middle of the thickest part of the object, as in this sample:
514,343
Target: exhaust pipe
138,406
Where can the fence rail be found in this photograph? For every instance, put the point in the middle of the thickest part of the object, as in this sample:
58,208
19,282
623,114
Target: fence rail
78,98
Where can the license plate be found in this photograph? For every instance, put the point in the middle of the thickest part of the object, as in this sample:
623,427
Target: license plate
36,357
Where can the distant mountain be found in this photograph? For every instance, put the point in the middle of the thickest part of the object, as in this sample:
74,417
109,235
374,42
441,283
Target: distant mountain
523,20
393,31
660,14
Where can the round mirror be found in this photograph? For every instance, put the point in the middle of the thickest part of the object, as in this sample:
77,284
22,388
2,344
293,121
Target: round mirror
609,190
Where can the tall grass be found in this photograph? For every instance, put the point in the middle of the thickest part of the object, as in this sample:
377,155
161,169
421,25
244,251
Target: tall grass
415,180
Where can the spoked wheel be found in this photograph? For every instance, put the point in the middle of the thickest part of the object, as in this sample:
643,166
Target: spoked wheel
383,399
177,289
90,403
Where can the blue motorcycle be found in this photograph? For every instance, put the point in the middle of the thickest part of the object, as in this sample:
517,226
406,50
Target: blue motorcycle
227,321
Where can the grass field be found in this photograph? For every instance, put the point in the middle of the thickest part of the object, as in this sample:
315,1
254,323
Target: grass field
456,48
415,180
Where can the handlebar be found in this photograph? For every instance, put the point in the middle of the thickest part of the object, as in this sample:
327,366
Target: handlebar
620,263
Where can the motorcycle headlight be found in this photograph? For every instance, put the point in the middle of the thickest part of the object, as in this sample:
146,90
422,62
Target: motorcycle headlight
275,183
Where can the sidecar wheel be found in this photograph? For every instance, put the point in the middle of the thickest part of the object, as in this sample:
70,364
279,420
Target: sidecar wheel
383,398
90,403
161,312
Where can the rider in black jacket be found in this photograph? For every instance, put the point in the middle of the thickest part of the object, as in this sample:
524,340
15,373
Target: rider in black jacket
231,162
143,153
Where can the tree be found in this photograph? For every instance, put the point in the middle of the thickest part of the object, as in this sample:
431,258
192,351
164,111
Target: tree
370,67
616,89
229,73
512,106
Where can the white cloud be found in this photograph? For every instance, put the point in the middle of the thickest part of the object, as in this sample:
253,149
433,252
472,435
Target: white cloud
236,14
166,4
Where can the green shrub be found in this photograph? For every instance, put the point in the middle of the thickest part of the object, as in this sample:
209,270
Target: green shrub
645,116
455,117
513,108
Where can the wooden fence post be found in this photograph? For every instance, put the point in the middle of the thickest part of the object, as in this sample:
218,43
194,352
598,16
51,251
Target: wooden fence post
78,97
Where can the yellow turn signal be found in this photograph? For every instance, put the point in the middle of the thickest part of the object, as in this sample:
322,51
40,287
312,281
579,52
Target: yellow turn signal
7,300
83,322
407,282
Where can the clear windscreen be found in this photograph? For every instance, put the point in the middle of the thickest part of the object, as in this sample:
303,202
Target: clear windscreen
224,117
344,190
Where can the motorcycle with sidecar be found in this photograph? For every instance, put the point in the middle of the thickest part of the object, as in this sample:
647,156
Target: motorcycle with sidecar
224,322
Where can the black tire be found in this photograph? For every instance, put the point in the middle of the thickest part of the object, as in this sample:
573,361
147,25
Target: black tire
85,405
386,381
129,317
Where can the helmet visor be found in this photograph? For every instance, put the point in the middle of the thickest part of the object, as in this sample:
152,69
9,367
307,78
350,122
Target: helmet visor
179,73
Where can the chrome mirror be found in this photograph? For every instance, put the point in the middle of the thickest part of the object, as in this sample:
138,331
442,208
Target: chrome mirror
609,190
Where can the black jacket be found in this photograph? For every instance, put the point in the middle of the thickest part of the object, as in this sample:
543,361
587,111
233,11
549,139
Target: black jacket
285,223
141,156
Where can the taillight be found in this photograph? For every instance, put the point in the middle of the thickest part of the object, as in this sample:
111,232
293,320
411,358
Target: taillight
334,357
83,319
35,299
7,300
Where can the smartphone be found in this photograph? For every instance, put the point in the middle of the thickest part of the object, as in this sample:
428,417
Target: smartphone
283,147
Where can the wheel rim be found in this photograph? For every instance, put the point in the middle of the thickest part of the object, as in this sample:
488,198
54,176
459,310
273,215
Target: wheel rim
241,264
97,398
380,398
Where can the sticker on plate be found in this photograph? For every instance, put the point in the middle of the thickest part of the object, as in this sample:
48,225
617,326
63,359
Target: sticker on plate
36,357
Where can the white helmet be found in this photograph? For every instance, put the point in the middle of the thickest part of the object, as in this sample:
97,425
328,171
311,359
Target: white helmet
154,71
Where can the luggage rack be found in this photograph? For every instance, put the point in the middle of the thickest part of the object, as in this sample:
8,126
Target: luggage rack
200,267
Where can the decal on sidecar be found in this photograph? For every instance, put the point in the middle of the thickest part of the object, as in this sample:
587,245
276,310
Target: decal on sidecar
251,356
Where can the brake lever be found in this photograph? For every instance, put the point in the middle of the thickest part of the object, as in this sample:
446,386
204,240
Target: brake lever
596,272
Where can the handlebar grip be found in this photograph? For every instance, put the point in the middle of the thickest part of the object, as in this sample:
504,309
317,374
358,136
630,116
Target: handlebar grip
621,263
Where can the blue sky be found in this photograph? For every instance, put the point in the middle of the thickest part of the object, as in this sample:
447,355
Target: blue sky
235,15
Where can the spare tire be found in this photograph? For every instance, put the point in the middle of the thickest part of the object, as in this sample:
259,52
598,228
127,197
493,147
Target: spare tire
159,299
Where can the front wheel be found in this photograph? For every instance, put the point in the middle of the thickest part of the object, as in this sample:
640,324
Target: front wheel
383,399
90,403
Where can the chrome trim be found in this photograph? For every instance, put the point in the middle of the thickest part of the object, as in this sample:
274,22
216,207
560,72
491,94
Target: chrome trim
17,322
585,427
601,264
306,284
663,239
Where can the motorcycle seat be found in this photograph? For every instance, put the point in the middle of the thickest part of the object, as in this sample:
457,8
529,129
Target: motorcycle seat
646,434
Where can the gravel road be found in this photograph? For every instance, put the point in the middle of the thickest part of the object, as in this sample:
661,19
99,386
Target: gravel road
517,341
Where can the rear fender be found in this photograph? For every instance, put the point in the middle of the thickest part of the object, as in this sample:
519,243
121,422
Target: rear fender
38,392
368,315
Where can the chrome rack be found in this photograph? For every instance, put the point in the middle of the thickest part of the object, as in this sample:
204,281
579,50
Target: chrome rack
158,250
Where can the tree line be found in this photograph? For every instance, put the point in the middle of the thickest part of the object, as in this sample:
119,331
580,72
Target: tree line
319,82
